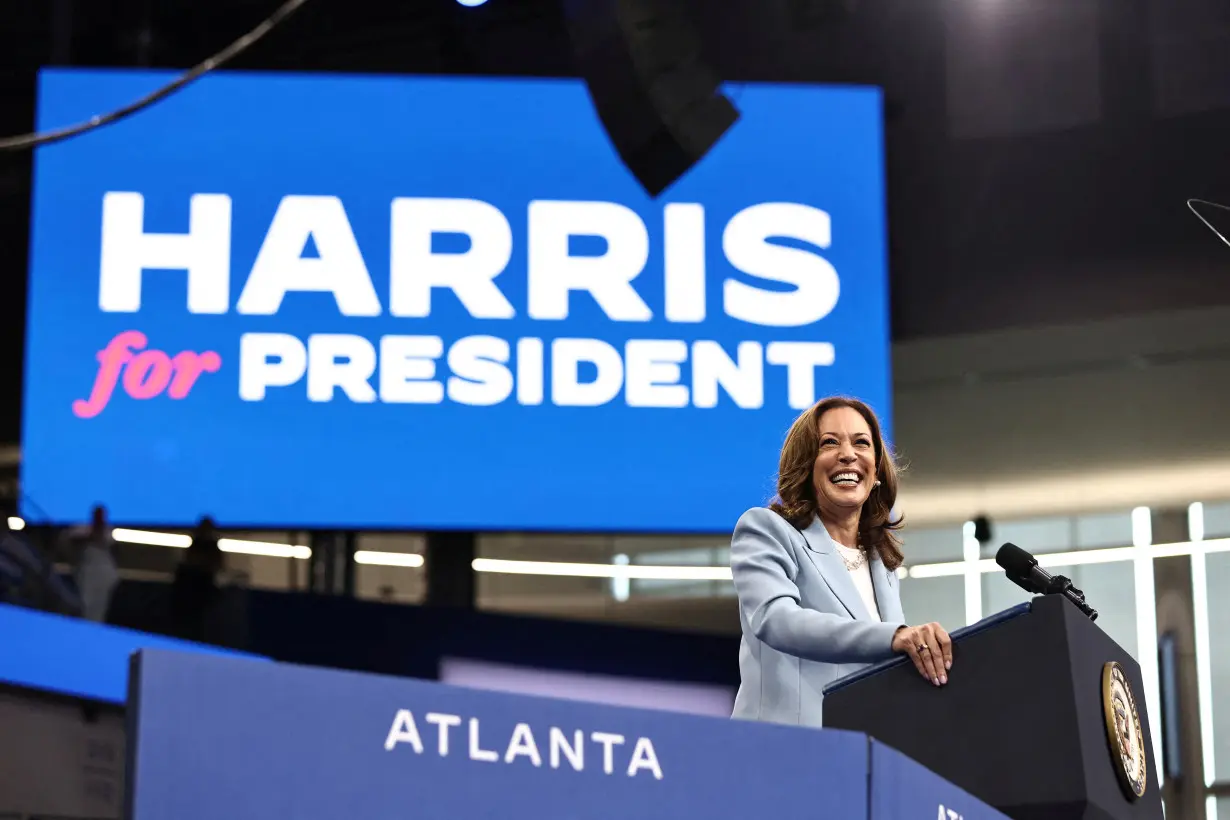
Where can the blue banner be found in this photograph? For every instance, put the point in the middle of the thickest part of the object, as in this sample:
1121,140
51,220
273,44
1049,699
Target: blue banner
227,737
245,740
70,656
399,302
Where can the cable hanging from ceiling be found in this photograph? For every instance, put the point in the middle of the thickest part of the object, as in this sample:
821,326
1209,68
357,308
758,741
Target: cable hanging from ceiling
37,139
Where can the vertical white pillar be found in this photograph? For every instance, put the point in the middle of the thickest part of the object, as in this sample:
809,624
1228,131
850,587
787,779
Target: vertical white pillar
971,554
1146,625
1204,669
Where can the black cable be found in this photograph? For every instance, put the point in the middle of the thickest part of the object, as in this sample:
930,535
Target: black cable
225,55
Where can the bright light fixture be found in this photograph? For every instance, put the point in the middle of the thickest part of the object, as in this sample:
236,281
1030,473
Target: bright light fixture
266,548
16,523
238,546
1073,558
943,569
232,545
638,571
388,559
152,539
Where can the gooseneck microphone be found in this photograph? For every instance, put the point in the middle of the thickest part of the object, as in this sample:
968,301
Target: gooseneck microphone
1022,569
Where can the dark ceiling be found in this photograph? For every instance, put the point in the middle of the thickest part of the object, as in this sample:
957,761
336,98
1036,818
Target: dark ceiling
1039,154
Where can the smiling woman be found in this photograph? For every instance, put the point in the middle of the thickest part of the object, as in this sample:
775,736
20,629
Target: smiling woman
836,464
818,595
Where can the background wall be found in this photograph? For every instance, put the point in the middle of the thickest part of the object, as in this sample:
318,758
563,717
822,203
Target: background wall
1110,414
58,761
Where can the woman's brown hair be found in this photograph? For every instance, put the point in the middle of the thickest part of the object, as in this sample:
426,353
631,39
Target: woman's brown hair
796,499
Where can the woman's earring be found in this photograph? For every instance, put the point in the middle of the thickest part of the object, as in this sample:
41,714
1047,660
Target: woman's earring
877,484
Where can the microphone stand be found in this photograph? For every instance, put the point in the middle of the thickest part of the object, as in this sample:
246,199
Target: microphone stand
1058,585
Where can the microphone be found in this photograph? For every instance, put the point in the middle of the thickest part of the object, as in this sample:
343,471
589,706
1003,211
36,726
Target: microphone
1022,569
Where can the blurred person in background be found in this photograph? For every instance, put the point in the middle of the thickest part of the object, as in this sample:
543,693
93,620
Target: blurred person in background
195,587
29,578
815,571
97,573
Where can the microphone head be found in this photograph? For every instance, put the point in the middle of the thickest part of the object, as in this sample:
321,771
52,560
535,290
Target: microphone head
1015,560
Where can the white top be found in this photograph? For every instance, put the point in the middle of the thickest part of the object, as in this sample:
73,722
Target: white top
862,579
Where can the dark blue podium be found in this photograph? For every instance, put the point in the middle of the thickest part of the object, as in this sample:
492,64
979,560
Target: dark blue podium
1043,716
215,737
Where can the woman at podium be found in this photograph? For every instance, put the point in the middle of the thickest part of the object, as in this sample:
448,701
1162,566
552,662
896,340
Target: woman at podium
816,574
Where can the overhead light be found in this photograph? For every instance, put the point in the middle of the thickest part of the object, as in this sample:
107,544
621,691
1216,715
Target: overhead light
153,539
232,545
266,548
947,569
950,569
637,571
16,523
270,549
388,559
943,569
471,3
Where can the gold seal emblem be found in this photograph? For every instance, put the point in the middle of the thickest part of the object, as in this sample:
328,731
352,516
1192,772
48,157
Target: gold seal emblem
1127,741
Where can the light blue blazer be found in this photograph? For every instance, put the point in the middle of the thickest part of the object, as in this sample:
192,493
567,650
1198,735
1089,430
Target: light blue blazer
804,624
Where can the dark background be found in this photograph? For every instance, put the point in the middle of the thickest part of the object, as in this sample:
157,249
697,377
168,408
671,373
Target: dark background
1040,154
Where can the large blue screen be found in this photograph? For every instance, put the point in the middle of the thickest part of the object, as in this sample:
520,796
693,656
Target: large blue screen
395,302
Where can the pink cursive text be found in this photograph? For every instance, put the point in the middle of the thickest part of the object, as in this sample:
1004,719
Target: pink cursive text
143,373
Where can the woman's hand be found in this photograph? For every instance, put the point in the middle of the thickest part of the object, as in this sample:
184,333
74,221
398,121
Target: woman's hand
929,647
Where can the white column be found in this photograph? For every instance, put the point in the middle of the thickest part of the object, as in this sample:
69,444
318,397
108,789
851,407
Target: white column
1146,625
971,555
1204,671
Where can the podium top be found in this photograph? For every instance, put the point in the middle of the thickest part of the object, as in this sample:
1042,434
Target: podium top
964,632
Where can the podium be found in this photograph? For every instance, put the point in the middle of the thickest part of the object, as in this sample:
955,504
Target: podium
215,737
1043,717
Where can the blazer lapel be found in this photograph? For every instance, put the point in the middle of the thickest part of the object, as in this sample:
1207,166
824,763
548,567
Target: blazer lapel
833,570
888,598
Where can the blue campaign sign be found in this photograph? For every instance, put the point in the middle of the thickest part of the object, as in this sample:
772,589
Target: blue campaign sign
245,740
71,656
398,302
